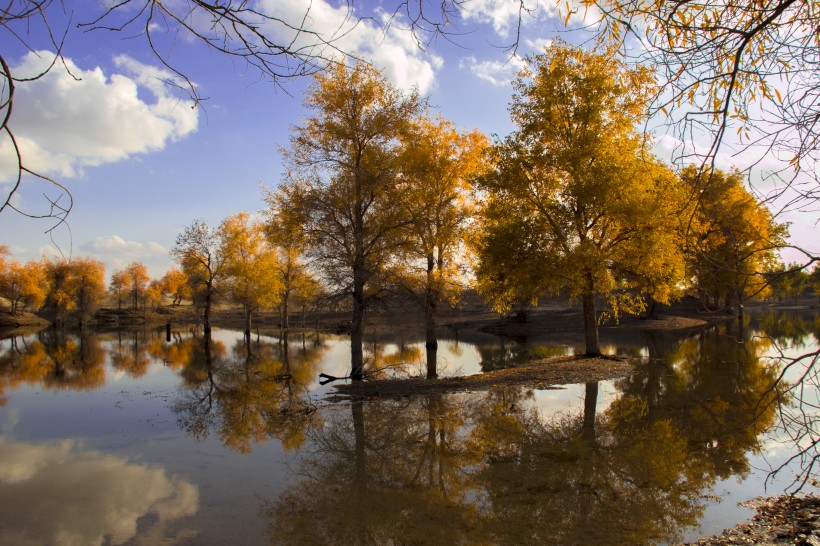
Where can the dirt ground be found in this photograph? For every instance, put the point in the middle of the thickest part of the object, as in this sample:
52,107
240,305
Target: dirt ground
539,374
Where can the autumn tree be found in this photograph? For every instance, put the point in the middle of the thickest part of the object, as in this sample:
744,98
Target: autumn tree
175,284
734,239
75,286
89,278
344,183
438,162
284,231
251,265
200,254
137,278
24,285
730,70
574,201
154,292
118,287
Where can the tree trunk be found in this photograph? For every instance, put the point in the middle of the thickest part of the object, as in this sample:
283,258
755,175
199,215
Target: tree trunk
206,315
356,328
432,371
248,313
285,322
593,348
430,303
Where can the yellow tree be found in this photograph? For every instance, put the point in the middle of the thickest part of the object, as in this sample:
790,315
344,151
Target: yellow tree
345,186
137,278
199,252
154,293
573,201
24,285
175,283
733,241
89,279
438,162
284,231
732,70
118,287
251,265
76,286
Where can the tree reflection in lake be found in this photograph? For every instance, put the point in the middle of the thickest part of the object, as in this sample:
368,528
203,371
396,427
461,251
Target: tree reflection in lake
497,469
618,462
247,396
54,359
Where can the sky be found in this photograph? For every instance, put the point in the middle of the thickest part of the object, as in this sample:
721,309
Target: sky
141,161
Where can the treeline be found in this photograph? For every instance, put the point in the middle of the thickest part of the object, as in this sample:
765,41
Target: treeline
238,262
382,198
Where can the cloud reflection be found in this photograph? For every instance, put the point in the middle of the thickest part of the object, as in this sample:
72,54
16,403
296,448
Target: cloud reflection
61,494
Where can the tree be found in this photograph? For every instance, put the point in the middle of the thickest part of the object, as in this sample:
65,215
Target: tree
731,68
76,286
201,256
89,278
734,239
118,287
154,292
345,186
284,231
574,201
787,282
175,283
251,265
438,162
24,285
137,281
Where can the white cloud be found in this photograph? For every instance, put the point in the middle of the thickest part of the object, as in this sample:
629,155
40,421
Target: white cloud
499,73
393,50
503,15
539,44
68,120
116,245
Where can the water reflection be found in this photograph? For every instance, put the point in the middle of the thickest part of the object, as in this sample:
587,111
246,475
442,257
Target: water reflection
256,391
623,462
449,470
65,495
53,359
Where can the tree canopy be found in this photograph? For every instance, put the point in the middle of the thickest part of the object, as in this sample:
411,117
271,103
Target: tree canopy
575,201
344,183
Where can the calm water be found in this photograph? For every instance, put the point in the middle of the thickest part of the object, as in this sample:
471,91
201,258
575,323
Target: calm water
124,438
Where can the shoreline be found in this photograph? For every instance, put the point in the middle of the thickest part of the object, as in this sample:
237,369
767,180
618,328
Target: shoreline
779,520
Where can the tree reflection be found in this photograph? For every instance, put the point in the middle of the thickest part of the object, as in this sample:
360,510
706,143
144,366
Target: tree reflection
494,469
52,359
130,353
387,473
246,396
714,387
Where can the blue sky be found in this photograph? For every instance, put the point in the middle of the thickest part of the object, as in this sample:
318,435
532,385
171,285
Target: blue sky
141,163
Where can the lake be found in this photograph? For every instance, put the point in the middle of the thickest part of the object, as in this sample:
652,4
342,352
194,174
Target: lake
122,437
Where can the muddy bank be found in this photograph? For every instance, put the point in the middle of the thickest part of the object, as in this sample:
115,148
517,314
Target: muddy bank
540,374
20,320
